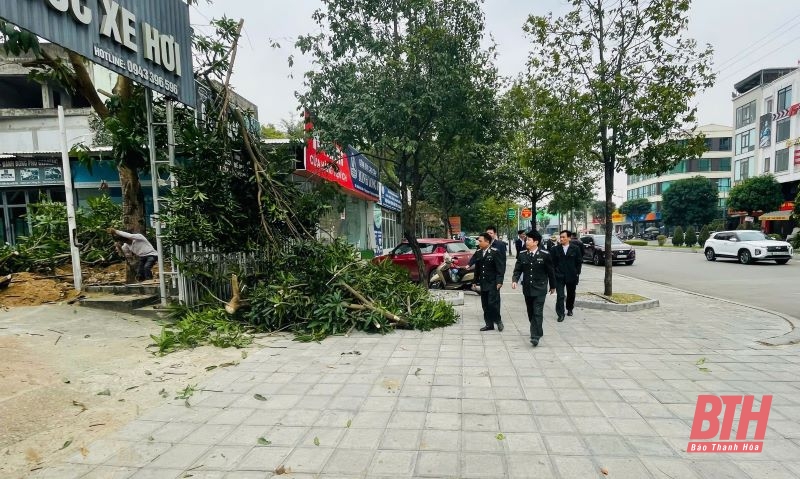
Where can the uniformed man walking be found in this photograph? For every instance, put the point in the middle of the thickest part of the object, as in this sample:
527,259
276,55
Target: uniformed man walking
536,268
490,267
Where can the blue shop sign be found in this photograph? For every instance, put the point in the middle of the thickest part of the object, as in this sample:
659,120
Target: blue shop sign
390,199
363,172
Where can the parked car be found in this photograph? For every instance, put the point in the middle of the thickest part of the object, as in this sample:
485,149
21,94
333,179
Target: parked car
747,246
433,250
594,250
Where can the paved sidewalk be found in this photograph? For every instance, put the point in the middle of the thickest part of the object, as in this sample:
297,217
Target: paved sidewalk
604,391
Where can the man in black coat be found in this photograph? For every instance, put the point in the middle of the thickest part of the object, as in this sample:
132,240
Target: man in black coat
567,260
536,268
490,267
519,243
496,242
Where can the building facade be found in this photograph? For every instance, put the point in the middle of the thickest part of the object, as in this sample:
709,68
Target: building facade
767,129
714,164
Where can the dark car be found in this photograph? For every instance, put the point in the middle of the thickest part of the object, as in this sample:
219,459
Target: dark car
433,251
594,250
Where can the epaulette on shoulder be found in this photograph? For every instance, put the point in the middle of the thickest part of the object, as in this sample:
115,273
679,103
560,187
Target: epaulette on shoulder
544,251
493,248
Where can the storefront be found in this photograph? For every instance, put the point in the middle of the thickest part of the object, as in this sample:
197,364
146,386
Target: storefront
357,178
388,220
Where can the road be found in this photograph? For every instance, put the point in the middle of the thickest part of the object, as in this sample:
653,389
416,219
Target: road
766,285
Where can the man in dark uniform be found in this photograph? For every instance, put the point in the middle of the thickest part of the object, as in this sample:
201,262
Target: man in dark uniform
519,243
490,267
567,261
536,268
496,242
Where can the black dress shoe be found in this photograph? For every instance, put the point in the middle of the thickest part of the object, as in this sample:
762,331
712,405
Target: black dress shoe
500,326
560,319
569,313
535,342
487,328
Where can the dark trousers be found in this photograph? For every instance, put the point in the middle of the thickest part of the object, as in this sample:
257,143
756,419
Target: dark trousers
490,302
535,307
560,296
145,270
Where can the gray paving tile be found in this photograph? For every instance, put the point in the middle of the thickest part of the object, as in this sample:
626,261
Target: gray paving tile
437,464
624,468
526,466
407,439
474,441
223,458
110,472
179,456
266,458
347,463
439,440
393,463
482,465
554,424
558,444
308,459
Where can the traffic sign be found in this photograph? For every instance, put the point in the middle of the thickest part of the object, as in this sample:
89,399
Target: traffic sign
526,213
512,213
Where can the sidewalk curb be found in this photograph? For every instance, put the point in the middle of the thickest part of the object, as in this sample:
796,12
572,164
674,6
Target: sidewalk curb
790,338
625,308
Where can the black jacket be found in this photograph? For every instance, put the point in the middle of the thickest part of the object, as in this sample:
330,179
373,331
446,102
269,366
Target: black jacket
519,245
536,270
567,266
500,246
489,268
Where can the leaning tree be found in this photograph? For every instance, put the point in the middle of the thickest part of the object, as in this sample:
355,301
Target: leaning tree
634,72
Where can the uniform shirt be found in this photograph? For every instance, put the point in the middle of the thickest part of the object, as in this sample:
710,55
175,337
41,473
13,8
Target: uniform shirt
139,245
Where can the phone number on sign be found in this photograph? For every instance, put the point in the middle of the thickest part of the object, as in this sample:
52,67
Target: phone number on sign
154,78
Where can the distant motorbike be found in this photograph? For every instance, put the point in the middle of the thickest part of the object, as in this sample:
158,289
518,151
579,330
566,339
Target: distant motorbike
449,275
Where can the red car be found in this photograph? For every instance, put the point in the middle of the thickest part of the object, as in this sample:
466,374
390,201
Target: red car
433,250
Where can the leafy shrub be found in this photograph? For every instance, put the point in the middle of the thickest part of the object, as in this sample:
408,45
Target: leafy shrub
677,236
717,225
635,242
742,226
690,238
703,236
196,328
661,240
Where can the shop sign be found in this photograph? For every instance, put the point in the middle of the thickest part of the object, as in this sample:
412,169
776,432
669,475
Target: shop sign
49,175
352,172
377,225
390,199
790,142
797,156
148,41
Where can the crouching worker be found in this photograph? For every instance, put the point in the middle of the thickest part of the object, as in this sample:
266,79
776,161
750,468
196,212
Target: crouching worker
136,245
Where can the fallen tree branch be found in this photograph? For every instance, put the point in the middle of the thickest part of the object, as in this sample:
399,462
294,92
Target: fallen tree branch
394,319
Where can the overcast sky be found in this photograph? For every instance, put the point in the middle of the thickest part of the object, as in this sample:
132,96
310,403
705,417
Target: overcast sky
747,35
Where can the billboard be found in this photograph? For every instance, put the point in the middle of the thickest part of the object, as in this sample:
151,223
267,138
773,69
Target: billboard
148,41
765,130
350,170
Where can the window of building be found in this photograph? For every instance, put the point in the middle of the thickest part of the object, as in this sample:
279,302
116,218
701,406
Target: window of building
723,185
745,141
768,105
703,164
741,169
680,167
725,144
665,186
724,164
746,114
782,129
782,160
709,144
766,165
784,98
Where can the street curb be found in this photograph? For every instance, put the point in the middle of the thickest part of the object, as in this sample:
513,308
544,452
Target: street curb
787,339
606,306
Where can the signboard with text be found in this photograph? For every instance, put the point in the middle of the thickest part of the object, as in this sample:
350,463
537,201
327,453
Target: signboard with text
350,170
390,199
148,41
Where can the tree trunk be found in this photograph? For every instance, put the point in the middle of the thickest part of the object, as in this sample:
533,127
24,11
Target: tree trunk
533,213
609,186
132,208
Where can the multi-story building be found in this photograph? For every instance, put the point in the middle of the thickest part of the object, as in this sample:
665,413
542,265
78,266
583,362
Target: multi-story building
767,129
714,164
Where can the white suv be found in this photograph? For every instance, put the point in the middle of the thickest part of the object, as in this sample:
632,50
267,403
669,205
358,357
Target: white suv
747,246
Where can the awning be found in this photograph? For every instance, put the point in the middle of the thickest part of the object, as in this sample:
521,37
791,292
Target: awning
776,216
651,216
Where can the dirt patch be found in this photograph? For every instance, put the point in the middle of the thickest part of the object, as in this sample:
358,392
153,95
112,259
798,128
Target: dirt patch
33,289
70,375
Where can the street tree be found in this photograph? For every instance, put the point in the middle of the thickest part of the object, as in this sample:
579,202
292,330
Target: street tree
635,73
543,150
758,193
572,201
600,209
634,209
691,201
404,80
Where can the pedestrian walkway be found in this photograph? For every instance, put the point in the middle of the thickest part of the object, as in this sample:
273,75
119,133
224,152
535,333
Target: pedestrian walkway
606,394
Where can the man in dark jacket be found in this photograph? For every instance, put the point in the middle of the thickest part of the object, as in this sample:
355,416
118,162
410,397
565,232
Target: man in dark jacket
519,243
536,268
496,242
490,267
567,261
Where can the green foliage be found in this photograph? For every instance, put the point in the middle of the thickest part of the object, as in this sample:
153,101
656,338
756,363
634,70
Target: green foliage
307,296
635,209
691,201
757,193
690,239
716,225
742,226
661,240
598,209
197,328
636,242
677,236
703,236
47,246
